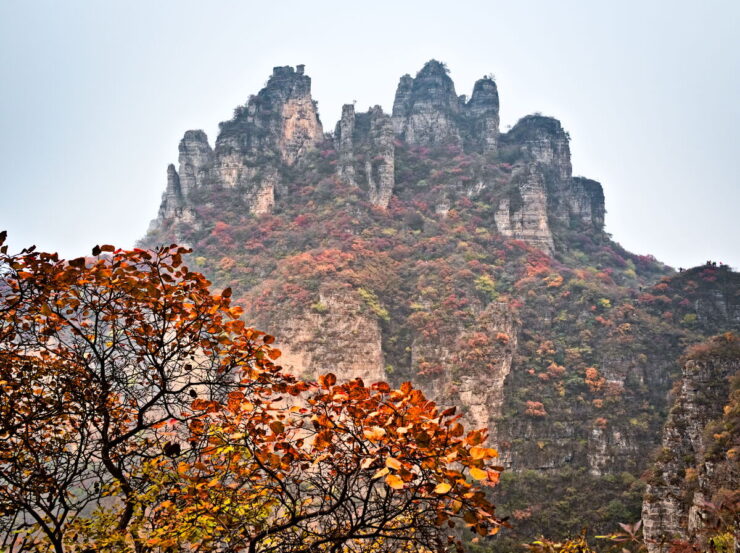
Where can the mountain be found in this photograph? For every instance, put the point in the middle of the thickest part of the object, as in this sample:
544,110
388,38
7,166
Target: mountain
427,245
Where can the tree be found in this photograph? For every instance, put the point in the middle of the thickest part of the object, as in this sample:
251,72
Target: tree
139,413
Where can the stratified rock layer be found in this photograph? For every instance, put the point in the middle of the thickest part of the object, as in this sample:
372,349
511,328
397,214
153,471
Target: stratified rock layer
523,214
685,474
337,334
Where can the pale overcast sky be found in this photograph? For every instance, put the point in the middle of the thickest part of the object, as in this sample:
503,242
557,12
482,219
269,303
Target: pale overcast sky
95,95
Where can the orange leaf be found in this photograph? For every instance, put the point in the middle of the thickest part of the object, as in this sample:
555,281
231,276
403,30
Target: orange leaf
392,463
394,482
478,452
327,380
374,434
478,474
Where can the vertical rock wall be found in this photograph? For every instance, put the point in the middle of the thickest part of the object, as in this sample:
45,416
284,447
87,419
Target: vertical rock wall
571,202
681,477
477,361
524,215
339,334
366,151
344,139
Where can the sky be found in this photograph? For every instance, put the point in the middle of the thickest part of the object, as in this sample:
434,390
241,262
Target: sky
95,96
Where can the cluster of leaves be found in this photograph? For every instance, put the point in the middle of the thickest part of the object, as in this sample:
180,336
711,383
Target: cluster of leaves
630,539
139,413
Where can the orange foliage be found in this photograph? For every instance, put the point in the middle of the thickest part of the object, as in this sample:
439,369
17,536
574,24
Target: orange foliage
535,409
123,375
594,380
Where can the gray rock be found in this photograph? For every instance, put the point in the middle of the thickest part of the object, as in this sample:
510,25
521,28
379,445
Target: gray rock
426,108
524,215
483,113
276,128
370,137
196,159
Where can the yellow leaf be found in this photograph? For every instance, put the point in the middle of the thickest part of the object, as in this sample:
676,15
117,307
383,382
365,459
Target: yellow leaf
394,482
392,463
382,472
478,474
442,487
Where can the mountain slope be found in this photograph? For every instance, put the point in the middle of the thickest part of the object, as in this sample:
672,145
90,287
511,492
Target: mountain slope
426,245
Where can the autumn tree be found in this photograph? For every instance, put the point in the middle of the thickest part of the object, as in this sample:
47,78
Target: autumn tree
139,413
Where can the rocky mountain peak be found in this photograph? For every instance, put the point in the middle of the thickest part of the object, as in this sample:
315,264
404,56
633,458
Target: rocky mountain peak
428,112
279,125
425,107
282,119
433,84
196,158
544,140
485,96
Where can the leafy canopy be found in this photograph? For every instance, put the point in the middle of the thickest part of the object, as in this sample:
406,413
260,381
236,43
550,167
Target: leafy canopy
139,413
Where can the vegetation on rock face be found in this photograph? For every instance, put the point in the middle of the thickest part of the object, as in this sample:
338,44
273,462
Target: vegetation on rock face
597,338
139,413
693,492
560,341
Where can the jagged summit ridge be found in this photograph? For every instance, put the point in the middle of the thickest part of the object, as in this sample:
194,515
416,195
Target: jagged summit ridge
279,126
427,111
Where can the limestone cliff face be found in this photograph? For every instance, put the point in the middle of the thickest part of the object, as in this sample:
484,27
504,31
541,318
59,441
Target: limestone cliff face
281,120
338,334
586,203
523,214
572,202
483,113
344,142
480,393
684,475
196,160
276,128
428,112
172,199
366,152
